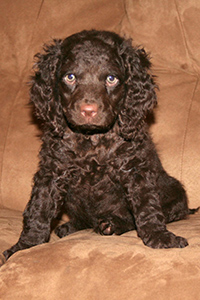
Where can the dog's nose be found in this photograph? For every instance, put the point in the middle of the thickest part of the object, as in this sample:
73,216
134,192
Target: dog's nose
89,110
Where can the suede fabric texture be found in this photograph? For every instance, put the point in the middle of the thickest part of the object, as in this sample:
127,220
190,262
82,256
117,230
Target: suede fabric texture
85,265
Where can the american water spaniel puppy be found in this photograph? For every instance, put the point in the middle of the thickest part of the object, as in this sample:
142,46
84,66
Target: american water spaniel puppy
93,91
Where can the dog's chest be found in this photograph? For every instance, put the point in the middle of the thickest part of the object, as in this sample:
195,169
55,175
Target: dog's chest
92,173
89,161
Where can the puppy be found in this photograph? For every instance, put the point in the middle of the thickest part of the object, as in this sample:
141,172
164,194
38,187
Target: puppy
93,91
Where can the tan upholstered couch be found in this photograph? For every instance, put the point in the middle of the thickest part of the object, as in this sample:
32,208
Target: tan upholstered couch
86,266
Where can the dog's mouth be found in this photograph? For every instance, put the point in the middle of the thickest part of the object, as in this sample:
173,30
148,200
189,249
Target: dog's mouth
89,129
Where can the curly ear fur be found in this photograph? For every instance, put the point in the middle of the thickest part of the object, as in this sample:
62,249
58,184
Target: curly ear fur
44,92
140,97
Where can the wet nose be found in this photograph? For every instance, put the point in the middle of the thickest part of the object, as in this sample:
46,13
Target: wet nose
89,110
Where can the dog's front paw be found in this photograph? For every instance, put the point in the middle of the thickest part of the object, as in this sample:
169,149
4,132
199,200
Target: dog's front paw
164,239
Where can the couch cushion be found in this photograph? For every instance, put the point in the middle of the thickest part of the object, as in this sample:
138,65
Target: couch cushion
87,266
168,29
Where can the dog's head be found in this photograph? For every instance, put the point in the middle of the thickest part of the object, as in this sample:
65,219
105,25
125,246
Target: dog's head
91,81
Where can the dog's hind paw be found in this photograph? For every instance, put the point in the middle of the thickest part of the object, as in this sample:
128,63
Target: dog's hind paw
105,227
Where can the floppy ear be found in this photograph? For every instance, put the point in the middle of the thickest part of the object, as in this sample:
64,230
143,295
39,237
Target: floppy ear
140,91
44,91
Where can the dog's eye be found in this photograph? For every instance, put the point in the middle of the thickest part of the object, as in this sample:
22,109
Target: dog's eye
111,80
70,78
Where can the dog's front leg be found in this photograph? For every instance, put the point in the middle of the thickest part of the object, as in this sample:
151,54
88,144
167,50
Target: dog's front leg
40,211
149,219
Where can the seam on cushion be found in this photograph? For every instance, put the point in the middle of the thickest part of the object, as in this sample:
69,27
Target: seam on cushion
40,8
125,15
126,11
192,97
181,26
118,27
186,129
184,37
